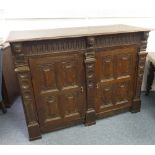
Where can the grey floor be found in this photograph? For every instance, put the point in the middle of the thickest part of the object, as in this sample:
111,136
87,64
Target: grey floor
124,128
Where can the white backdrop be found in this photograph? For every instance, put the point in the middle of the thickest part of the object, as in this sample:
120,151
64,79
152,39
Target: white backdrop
77,8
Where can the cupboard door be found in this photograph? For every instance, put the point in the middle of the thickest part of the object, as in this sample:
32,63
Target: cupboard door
59,90
115,69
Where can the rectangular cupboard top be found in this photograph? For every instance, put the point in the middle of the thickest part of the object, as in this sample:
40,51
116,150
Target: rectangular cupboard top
44,34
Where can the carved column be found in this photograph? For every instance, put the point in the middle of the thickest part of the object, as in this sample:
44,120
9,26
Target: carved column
24,77
90,81
140,70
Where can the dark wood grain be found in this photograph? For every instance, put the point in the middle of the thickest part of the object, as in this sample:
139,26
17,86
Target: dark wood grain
78,75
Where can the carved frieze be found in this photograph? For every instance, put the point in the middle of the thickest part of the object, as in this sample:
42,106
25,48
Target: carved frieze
50,46
117,40
74,44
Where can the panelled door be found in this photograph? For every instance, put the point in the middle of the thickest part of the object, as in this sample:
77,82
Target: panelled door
115,69
59,87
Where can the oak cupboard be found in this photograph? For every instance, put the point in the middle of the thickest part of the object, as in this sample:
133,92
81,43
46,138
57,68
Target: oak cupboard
78,75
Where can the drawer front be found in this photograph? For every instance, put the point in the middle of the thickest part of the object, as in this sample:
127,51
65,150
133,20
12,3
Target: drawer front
115,72
59,90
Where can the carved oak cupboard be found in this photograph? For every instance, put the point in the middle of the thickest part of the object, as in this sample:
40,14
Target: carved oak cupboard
77,75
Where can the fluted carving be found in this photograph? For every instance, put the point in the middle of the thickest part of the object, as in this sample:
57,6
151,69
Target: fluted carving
43,47
118,40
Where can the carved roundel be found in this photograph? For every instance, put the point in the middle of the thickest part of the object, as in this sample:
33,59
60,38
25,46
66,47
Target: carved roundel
146,35
90,41
17,48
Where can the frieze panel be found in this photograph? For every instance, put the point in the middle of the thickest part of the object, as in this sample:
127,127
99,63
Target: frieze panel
50,46
117,40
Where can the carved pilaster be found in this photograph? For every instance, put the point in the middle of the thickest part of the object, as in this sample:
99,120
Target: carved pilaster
90,79
24,77
52,46
140,70
145,36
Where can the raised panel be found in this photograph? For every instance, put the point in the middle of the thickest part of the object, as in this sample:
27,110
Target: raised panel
70,104
122,92
68,73
106,96
124,64
52,109
48,76
107,67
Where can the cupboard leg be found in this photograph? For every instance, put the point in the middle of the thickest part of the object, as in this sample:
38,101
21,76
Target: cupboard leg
90,117
136,106
34,131
150,78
